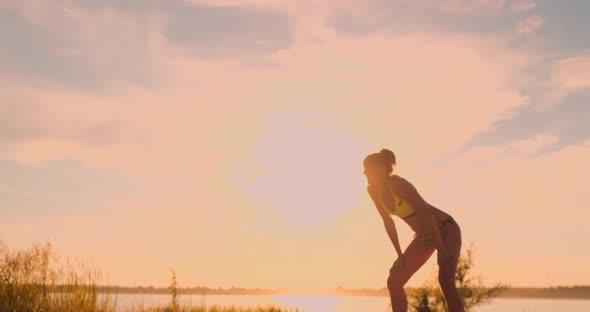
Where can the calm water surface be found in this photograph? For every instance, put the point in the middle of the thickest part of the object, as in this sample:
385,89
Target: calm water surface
319,303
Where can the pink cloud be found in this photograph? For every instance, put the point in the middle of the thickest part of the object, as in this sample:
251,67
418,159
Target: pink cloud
530,25
522,6
531,145
474,6
114,47
567,75
573,73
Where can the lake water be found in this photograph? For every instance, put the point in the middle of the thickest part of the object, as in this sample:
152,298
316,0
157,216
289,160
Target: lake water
320,303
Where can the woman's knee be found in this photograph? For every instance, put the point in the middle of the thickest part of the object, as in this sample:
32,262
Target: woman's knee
396,278
394,282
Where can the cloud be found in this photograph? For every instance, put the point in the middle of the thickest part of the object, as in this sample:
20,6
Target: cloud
530,25
529,146
476,156
522,6
567,120
60,188
12,191
372,89
104,45
218,32
245,3
568,20
558,90
28,50
570,75
29,112
329,75
69,45
471,7
490,18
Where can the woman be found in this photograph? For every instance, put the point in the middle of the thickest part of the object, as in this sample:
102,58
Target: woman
434,230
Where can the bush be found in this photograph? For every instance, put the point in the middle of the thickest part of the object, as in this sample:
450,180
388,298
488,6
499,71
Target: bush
473,291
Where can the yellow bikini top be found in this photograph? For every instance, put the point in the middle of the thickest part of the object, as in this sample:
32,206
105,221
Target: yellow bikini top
403,208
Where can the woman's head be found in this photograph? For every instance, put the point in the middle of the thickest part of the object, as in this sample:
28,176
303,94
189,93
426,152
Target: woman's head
379,166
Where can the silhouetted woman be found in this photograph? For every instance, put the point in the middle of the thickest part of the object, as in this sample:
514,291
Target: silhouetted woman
434,230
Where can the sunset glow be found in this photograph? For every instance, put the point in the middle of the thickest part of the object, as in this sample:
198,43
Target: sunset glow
226,138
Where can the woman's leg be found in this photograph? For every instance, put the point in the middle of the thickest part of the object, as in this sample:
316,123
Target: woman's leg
414,257
451,236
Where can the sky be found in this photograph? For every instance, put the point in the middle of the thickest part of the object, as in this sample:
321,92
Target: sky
225,138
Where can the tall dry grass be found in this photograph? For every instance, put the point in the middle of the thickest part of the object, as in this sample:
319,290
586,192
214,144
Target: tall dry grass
36,279
215,309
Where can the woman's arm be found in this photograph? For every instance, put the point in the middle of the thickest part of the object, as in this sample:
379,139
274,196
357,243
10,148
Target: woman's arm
387,220
423,209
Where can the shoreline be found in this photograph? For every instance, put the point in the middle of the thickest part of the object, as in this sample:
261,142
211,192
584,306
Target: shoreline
574,292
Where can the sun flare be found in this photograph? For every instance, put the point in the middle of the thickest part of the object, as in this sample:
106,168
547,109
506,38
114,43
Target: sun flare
307,170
